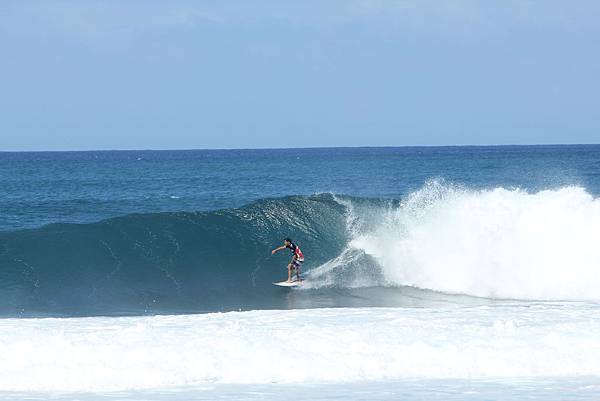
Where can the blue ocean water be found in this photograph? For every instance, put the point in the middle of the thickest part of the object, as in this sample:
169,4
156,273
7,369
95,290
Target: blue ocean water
82,187
138,232
430,273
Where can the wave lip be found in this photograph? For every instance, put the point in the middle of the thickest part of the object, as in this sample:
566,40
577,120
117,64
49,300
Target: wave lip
299,346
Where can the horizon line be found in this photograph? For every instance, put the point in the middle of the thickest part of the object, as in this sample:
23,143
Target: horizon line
298,148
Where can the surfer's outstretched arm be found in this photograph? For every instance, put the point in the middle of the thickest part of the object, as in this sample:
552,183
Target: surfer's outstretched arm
277,250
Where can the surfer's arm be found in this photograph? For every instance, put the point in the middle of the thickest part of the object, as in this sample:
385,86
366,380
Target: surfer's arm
277,250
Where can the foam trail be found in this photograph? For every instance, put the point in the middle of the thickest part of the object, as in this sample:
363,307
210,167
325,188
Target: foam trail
496,243
299,346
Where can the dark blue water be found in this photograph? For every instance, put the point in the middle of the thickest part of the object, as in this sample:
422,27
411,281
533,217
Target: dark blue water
129,232
47,187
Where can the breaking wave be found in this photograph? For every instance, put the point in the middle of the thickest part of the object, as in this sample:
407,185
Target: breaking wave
493,243
496,243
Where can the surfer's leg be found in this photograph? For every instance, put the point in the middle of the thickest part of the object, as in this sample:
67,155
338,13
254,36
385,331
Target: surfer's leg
290,266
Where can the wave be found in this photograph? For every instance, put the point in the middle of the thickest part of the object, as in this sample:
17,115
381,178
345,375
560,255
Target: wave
165,262
493,243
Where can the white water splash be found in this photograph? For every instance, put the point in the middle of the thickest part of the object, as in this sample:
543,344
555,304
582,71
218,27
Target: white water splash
496,243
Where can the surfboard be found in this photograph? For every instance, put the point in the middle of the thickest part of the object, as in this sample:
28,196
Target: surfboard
286,284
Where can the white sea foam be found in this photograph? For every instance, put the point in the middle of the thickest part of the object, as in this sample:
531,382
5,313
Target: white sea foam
496,243
299,346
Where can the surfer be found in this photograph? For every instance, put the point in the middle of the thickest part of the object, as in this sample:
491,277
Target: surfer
297,258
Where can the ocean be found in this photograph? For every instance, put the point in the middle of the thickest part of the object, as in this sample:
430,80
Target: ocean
439,273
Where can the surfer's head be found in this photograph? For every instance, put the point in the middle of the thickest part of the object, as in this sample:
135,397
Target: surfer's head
287,240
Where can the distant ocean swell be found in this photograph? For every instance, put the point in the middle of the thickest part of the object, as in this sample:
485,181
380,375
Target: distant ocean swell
495,243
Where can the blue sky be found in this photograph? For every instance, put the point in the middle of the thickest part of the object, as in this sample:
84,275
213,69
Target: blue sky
247,74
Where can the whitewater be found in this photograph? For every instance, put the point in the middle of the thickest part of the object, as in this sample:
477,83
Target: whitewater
497,243
299,346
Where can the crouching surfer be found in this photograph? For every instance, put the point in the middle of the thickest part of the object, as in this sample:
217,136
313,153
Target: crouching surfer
297,258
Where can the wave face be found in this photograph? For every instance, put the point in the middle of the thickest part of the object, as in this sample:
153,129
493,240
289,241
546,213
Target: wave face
167,262
496,243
